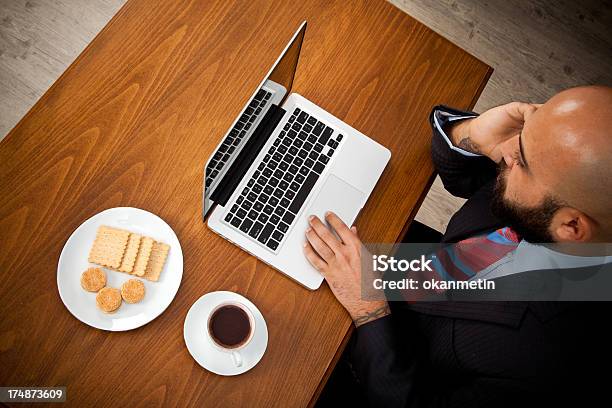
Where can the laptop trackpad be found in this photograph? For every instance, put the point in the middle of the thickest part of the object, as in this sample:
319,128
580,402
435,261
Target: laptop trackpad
339,197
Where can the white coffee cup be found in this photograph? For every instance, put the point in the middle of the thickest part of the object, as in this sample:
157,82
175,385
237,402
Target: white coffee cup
216,339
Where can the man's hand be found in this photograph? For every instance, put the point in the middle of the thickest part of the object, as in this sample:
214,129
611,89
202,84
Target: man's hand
339,261
489,133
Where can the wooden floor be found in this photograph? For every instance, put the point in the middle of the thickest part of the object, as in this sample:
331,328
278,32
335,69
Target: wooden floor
537,48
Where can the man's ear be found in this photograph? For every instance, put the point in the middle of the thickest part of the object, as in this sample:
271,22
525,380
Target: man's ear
571,225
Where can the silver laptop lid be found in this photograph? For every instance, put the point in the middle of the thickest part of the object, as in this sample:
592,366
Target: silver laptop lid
230,160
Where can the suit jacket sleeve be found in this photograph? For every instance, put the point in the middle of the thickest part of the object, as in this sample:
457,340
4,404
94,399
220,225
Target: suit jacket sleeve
462,173
391,375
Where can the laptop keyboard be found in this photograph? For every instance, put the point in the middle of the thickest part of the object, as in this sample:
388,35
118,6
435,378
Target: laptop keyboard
236,135
276,191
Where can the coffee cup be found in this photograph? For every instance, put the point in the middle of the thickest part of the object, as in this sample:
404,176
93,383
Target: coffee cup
230,328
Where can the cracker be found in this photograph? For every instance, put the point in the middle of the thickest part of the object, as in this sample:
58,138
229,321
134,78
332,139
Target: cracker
144,253
108,247
131,252
108,299
132,291
156,261
93,279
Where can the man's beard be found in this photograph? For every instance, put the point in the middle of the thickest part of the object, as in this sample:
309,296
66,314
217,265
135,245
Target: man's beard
531,223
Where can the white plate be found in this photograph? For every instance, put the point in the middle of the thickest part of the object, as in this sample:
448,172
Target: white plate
73,261
200,346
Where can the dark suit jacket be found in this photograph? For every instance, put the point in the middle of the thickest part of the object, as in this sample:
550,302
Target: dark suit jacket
475,354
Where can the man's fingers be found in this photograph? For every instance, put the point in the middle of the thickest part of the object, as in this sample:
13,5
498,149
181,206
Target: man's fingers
345,234
314,259
319,245
324,233
520,111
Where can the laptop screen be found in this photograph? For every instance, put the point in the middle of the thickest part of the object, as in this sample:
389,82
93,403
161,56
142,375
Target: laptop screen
269,95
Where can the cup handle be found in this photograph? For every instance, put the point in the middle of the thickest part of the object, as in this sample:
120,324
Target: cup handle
237,358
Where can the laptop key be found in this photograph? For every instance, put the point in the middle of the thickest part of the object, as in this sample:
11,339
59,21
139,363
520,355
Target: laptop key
277,235
272,244
268,208
246,225
288,218
279,211
258,206
241,213
326,135
283,185
285,203
312,121
273,202
265,233
302,117
318,129
318,167
253,214
256,229
274,219
302,194
289,194
283,227
318,147
228,217
324,159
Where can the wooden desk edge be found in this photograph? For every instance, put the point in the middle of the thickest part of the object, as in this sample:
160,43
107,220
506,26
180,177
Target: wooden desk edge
349,333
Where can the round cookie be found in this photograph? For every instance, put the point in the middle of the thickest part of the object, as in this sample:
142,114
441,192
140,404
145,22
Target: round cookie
132,291
93,279
108,300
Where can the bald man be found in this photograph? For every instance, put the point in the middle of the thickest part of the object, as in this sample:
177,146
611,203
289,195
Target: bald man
532,174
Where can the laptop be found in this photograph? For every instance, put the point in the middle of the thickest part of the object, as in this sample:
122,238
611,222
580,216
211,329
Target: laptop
283,159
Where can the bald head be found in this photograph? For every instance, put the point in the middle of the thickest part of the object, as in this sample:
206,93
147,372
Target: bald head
568,147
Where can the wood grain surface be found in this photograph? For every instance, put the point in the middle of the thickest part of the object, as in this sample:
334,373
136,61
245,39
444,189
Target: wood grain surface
132,122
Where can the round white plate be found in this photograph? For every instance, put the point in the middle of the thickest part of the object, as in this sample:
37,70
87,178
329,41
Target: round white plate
199,344
73,261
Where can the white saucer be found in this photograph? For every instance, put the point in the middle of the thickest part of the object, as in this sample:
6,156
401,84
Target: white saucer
199,344
73,261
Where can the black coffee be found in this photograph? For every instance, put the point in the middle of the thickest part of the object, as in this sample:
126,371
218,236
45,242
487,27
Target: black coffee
229,326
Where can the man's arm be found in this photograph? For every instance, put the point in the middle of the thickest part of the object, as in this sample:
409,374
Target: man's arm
466,147
385,362
462,169
392,375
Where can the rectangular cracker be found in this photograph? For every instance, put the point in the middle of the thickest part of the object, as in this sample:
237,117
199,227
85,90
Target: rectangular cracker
156,261
144,253
131,252
108,247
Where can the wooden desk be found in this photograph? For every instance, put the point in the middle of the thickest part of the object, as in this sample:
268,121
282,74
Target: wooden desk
132,122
